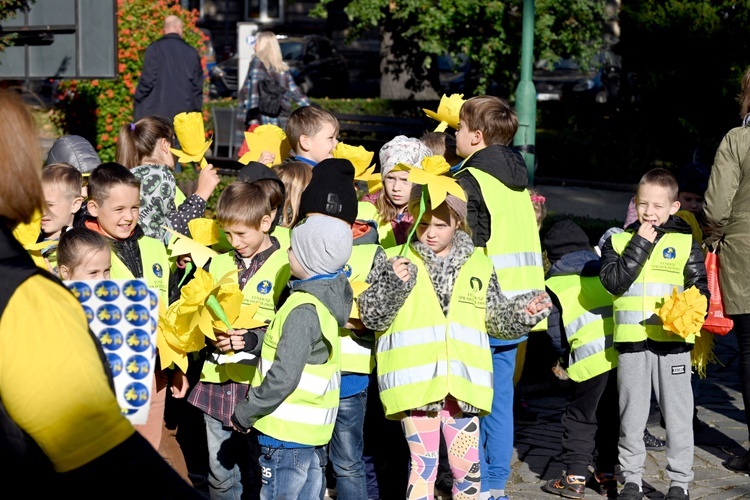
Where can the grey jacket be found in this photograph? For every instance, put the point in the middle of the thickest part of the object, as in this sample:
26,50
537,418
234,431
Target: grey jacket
301,342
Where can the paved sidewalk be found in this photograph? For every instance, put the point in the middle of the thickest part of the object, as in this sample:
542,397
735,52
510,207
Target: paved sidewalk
719,401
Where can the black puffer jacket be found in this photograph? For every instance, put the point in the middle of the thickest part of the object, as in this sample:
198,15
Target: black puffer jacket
618,272
501,162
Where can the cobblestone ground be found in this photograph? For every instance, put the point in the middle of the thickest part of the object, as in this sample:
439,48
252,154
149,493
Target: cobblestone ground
720,407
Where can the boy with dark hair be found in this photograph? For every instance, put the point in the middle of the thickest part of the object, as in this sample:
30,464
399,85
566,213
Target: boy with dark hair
312,134
639,267
502,220
582,319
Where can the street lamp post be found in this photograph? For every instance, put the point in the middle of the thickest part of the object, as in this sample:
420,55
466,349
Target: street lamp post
525,139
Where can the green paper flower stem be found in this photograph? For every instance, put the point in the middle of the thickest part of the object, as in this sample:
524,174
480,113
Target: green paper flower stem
215,307
422,210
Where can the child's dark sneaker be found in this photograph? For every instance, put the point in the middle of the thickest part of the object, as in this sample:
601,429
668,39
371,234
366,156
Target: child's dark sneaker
605,484
631,491
739,464
653,443
677,493
567,486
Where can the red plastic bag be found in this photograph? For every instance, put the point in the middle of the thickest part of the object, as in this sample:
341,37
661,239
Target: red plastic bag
716,322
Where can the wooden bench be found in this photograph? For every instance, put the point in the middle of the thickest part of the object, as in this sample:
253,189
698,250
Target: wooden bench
374,131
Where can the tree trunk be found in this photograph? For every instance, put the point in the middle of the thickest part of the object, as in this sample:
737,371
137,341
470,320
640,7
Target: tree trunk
403,75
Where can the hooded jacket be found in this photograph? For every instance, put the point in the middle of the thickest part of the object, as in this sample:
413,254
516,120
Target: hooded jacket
301,342
618,272
501,162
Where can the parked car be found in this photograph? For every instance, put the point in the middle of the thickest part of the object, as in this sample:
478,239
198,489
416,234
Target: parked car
567,81
459,75
315,64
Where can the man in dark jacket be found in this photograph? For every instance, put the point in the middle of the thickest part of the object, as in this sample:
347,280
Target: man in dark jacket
172,77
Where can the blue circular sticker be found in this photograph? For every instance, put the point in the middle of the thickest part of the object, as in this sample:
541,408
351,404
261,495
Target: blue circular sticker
110,339
115,363
127,411
138,340
154,325
348,270
137,366
107,291
137,315
135,290
89,313
157,270
81,291
153,300
109,314
264,287
136,394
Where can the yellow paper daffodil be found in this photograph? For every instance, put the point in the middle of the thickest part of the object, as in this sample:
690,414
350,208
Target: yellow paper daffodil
192,137
683,313
364,169
357,287
205,231
266,138
431,174
447,112
27,234
179,244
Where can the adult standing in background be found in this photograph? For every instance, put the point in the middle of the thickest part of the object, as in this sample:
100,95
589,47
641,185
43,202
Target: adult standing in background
728,209
172,78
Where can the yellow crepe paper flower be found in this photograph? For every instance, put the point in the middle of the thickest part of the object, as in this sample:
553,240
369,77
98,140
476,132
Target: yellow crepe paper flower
205,231
27,234
431,174
683,313
266,138
179,244
192,137
447,112
364,169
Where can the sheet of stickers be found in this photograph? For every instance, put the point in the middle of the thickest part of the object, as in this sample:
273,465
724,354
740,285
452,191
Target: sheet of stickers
123,314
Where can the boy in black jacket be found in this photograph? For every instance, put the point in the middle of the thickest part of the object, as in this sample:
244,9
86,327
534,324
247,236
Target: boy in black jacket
640,267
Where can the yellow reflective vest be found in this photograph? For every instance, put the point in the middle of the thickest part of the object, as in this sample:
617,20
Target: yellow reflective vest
356,353
514,245
308,414
155,263
635,319
425,356
368,212
263,288
588,324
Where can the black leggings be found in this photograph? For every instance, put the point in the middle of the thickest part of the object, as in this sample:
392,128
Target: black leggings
742,331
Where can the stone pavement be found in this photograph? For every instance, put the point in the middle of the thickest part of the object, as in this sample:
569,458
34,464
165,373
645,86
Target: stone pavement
719,401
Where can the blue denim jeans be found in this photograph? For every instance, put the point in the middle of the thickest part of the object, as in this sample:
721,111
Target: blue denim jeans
292,473
229,459
346,448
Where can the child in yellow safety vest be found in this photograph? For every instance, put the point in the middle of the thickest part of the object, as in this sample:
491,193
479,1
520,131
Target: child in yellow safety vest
433,310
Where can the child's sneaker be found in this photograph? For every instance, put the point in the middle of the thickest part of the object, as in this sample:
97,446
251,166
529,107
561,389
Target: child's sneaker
631,491
605,483
677,493
567,486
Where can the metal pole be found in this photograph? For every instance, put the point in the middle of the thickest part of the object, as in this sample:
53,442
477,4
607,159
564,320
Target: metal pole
525,139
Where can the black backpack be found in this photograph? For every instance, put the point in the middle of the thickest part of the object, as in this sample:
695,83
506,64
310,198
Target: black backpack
270,96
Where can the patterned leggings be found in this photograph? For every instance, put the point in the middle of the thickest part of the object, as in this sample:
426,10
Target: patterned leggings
422,431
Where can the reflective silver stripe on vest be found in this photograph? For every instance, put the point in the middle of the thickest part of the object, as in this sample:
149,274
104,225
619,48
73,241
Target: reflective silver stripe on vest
512,293
409,338
591,348
475,375
637,318
302,414
468,335
650,290
587,317
312,383
412,375
520,259
355,347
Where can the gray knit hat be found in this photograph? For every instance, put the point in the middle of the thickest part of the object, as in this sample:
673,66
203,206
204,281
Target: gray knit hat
402,149
322,244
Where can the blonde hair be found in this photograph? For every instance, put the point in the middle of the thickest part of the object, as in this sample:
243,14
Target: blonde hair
64,176
295,175
268,51
20,187
492,116
243,203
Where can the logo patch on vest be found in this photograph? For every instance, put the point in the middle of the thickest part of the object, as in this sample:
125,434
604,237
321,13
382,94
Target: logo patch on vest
158,271
264,287
669,253
678,370
348,270
476,284
475,296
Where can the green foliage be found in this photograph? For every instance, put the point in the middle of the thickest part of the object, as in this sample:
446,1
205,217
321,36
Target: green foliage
9,9
97,109
375,107
489,32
